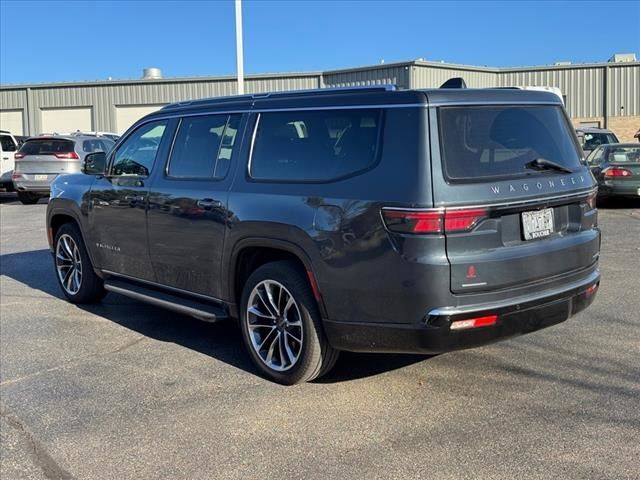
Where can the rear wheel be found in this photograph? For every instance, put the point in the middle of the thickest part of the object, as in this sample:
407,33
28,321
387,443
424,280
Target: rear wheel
74,271
281,325
28,198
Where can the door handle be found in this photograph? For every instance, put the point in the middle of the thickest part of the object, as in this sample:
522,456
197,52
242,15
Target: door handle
209,203
134,198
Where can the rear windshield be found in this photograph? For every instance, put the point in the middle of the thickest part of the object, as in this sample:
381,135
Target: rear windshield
594,140
46,146
624,154
498,141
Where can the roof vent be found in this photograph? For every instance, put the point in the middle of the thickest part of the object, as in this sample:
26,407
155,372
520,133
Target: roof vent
562,63
151,73
623,57
455,82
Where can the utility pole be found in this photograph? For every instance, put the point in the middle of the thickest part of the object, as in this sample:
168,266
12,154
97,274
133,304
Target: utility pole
239,54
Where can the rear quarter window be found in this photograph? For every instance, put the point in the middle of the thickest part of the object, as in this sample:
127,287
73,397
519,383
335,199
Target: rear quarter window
315,146
486,142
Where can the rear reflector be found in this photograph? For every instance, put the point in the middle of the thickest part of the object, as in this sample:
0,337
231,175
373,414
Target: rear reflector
617,172
591,290
67,155
432,221
474,322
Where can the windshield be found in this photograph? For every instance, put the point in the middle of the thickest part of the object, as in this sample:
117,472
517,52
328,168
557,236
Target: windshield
499,141
46,146
624,154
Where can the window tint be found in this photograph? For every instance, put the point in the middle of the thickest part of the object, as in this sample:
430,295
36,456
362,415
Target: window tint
315,145
487,141
138,152
7,143
203,146
96,145
46,146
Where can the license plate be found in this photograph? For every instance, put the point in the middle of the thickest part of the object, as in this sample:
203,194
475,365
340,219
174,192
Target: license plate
41,178
537,224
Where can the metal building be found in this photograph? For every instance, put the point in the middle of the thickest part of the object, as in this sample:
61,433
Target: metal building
603,94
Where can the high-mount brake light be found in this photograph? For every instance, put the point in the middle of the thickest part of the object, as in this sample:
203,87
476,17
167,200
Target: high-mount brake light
485,321
617,172
67,155
433,221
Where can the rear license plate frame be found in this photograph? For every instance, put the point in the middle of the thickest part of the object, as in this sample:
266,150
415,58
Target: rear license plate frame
537,224
41,177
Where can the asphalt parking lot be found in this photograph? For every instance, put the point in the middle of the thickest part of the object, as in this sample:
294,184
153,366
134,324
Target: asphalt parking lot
125,390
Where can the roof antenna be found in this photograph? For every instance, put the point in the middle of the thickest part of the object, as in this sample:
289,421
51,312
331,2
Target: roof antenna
455,82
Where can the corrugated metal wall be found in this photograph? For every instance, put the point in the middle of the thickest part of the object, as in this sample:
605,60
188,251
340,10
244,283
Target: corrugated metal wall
428,76
623,91
395,75
582,87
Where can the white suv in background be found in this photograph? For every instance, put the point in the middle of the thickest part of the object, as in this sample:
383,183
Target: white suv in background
8,149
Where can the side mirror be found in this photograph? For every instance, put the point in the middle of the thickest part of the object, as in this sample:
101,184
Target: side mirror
95,163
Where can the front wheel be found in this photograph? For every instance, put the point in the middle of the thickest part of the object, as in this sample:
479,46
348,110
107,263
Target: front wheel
74,271
28,198
281,325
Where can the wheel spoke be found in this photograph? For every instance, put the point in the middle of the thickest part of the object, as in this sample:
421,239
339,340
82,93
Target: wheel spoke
272,348
266,303
290,356
254,310
264,339
299,340
289,304
270,296
69,279
67,247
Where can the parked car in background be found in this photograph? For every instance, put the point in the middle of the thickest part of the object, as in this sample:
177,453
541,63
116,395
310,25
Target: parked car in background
363,219
616,167
592,137
109,135
8,148
41,159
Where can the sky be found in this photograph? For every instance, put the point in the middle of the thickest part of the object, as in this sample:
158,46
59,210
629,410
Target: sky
52,41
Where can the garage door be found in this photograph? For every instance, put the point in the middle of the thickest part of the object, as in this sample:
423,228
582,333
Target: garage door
66,120
11,121
127,116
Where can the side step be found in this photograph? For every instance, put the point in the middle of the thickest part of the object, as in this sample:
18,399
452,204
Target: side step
187,306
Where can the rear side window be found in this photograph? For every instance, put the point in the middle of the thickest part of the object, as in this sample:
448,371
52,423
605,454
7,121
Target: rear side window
203,146
46,146
315,145
96,145
498,141
7,143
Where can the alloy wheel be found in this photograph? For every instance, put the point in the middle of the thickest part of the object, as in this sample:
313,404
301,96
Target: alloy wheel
69,264
274,324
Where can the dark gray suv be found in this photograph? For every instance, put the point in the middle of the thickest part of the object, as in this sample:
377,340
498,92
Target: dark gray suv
369,219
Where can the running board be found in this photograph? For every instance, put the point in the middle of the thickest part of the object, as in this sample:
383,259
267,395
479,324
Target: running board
200,310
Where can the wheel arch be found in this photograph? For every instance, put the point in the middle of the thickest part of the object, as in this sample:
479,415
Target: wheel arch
250,253
56,217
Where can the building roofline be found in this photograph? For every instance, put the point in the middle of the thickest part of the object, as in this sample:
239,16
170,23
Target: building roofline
263,76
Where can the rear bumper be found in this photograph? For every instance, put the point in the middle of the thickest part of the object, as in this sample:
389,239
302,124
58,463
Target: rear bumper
32,186
620,189
517,317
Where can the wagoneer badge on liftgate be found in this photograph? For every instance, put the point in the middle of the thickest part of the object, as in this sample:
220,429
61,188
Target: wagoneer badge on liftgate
549,184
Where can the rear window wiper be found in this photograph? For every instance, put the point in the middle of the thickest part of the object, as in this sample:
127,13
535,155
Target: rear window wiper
544,164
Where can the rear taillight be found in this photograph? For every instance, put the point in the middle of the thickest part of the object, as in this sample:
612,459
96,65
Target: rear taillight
485,321
68,155
16,176
18,156
617,172
433,221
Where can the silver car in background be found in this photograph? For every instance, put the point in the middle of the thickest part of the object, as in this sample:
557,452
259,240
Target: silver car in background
41,159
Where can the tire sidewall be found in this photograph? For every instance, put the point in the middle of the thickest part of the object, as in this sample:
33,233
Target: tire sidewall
87,287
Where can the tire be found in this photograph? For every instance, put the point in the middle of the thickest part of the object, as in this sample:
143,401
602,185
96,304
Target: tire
73,267
28,198
294,346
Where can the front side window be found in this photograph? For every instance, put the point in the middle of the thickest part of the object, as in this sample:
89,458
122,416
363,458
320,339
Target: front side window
315,145
203,146
138,152
500,141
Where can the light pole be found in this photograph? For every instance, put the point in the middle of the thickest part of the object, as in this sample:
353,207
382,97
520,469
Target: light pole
239,55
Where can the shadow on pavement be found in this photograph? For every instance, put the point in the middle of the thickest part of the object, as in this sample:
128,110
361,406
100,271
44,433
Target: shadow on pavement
221,340
618,203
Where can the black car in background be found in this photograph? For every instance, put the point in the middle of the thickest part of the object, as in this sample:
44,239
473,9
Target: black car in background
616,167
365,219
